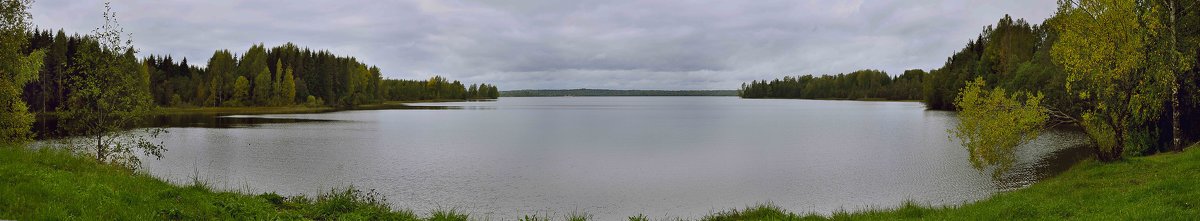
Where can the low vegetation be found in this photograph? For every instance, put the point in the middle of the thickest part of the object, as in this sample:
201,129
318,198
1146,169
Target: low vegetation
56,185
49,184
1160,187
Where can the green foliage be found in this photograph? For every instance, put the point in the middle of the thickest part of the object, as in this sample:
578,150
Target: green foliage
264,89
863,84
639,217
1103,48
220,78
578,216
1141,141
1139,188
760,212
482,91
110,94
16,70
992,123
448,215
534,217
253,62
241,92
1011,54
176,101
314,101
340,204
287,88
51,184
1102,134
296,74
284,85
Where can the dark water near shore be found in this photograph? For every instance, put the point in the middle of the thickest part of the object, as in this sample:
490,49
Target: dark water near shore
609,156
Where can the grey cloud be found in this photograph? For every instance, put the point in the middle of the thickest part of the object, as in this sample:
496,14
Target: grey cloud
521,44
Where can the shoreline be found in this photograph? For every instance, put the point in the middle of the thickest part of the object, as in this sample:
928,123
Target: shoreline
293,109
48,184
834,99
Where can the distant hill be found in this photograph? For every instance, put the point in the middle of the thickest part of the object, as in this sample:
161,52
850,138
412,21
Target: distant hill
605,92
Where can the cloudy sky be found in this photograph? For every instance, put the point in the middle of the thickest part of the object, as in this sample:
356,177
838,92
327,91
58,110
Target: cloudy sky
534,44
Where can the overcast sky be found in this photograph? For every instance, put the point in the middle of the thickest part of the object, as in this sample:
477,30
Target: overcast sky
519,44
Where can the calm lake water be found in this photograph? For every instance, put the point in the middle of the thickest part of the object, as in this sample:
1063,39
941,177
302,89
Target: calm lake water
609,156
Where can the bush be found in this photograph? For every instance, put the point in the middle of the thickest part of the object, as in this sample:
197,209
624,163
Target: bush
314,101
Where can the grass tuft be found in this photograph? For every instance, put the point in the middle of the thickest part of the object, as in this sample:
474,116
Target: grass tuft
578,216
448,215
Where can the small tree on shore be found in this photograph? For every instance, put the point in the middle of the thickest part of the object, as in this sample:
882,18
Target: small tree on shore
110,94
993,123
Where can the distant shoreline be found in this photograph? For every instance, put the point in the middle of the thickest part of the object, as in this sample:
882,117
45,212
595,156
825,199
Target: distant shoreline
583,92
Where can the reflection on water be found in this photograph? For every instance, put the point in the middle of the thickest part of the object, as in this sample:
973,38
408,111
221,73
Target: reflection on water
609,156
1034,164
47,127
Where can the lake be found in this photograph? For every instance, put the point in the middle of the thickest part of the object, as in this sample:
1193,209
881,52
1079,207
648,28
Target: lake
612,157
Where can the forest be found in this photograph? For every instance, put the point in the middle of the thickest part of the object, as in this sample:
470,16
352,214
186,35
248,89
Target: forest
260,76
1125,72
858,85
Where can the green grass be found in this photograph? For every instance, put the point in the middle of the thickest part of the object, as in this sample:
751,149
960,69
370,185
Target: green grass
1160,187
51,184
56,185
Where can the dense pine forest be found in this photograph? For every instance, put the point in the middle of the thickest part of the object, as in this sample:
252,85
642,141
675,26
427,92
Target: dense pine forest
260,76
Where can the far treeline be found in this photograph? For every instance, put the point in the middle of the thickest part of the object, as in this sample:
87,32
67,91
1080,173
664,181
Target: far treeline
1126,72
278,76
605,92
97,88
858,85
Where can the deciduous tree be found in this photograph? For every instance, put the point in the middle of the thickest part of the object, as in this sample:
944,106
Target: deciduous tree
110,94
16,69
1105,48
992,123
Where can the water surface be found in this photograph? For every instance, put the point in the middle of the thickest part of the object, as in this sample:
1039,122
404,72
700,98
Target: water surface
610,156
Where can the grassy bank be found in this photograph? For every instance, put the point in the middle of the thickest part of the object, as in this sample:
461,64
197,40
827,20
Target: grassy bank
1160,187
55,185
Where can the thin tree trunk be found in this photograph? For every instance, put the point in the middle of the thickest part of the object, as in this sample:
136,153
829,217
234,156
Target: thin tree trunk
100,149
1118,140
1176,130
